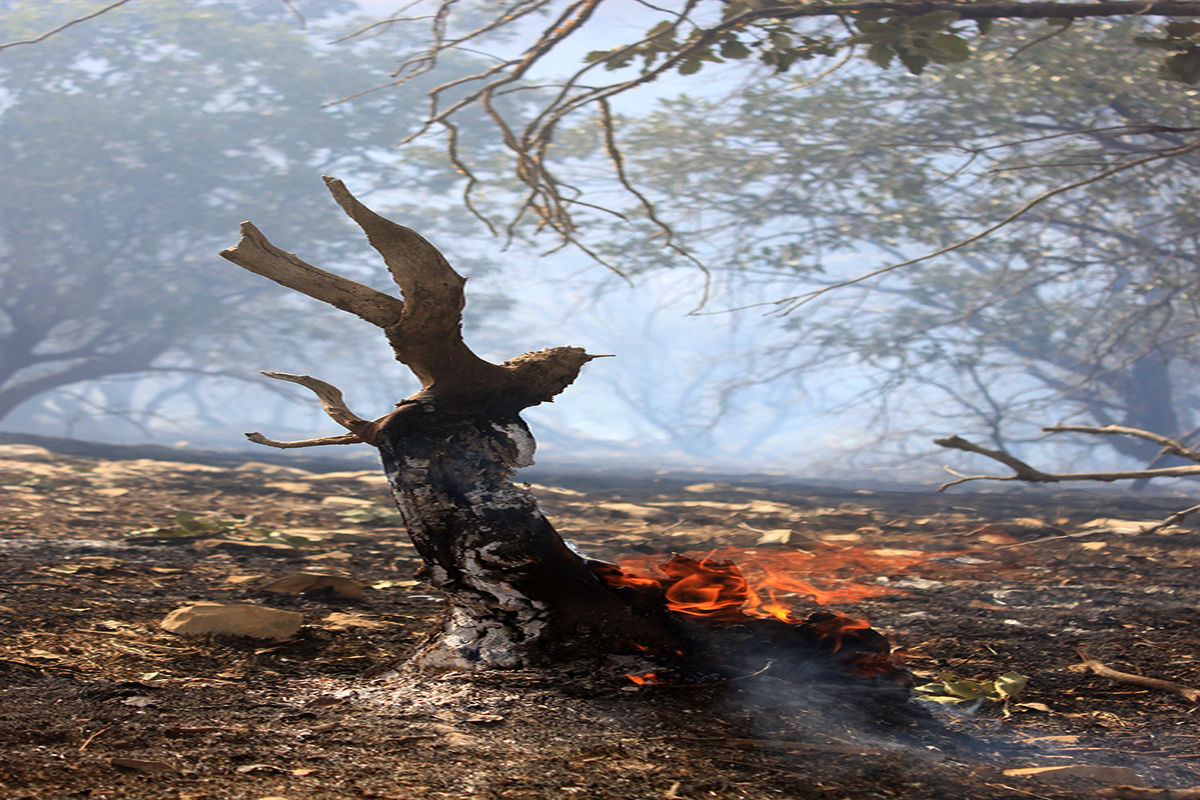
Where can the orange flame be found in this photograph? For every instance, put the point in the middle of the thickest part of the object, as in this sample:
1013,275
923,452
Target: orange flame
705,588
835,628
643,679
716,588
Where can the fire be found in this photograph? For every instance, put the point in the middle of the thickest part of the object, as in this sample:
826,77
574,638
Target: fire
765,584
644,678
836,627
707,588
716,588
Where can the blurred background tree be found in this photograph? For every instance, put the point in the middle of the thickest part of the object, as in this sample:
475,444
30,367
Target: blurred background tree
1084,307
130,148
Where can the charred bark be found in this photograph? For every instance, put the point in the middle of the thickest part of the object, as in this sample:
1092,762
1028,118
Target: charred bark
516,593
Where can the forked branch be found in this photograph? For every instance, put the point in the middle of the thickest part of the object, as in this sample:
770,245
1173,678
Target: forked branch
333,404
255,253
427,335
1024,472
424,329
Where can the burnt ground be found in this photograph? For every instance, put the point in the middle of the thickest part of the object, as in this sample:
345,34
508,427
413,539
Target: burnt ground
97,701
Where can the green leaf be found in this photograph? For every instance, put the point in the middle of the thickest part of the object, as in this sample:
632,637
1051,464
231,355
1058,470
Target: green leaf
1183,28
946,48
913,61
1170,45
1010,684
659,29
1183,67
186,521
732,48
966,688
690,65
879,53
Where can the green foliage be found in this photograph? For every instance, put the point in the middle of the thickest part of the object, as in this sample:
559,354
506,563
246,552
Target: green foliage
1182,40
1085,306
883,36
950,689
187,526
914,41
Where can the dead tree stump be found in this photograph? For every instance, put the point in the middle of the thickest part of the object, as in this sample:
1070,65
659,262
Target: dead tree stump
516,594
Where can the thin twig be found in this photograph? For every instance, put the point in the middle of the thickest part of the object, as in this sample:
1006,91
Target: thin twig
787,305
300,20
1174,519
329,395
64,26
1168,444
346,438
89,739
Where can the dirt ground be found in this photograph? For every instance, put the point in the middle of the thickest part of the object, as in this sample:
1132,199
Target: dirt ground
98,701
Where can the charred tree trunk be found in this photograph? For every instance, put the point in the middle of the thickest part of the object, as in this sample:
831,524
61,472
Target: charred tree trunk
516,593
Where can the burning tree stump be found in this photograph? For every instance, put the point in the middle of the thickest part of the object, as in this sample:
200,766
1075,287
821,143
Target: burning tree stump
517,595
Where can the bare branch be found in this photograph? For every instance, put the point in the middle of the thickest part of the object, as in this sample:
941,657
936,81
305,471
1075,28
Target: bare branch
427,335
300,20
416,265
255,253
345,438
1169,445
692,35
331,400
65,25
1174,519
1025,472
329,395
1003,9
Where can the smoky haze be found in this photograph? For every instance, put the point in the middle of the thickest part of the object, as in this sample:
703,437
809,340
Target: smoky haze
134,144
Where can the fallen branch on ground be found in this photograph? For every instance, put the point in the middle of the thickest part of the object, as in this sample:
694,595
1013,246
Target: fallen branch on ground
1105,671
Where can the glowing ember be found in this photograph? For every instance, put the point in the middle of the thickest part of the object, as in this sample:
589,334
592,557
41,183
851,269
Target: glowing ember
641,680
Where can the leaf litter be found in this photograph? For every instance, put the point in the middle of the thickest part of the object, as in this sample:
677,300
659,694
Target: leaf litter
96,699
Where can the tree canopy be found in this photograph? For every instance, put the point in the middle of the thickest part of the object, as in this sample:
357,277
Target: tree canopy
1084,306
681,38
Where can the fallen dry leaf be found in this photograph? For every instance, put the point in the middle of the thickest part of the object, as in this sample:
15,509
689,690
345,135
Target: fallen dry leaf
337,621
775,536
234,619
